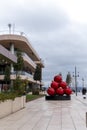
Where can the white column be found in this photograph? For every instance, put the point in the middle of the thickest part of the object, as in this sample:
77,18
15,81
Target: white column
12,51
12,68
12,48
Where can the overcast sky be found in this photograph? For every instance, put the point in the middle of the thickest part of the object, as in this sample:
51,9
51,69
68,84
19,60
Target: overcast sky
57,29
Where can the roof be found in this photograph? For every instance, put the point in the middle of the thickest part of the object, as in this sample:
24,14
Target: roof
21,43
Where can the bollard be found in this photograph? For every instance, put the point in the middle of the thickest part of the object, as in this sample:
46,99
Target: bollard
86,119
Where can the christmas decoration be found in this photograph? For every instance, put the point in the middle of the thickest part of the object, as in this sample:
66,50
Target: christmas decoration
54,85
63,84
51,91
58,78
58,90
68,91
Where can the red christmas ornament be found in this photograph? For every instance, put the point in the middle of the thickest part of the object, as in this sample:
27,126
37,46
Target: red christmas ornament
63,84
54,85
58,78
68,91
60,91
50,91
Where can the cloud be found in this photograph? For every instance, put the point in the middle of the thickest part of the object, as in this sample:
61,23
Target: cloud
60,41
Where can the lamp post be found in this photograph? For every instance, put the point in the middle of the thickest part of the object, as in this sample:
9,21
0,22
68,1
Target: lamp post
9,25
83,82
75,75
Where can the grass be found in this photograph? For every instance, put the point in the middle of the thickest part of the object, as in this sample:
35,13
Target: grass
30,97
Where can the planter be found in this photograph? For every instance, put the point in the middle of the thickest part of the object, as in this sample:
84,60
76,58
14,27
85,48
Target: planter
11,106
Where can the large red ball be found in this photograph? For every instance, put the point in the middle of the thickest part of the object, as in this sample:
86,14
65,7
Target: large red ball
63,84
50,91
54,85
60,91
68,91
58,78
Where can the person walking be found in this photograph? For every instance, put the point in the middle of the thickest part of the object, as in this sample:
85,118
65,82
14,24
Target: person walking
84,92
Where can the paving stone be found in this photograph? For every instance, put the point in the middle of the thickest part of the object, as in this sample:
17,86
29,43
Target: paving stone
49,115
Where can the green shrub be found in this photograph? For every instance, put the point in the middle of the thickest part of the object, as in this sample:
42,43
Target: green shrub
19,86
30,97
6,96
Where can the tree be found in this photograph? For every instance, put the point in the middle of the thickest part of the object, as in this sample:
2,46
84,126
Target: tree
68,78
60,74
19,86
20,64
7,74
6,77
37,74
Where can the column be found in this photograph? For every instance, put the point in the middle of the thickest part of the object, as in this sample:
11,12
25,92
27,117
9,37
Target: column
12,68
12,51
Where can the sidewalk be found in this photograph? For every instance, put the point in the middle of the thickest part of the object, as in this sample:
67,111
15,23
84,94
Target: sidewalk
49,115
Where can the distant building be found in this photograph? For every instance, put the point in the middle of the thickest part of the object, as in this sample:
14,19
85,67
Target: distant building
79,89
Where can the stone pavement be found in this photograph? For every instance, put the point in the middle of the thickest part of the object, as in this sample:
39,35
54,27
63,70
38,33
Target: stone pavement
49,115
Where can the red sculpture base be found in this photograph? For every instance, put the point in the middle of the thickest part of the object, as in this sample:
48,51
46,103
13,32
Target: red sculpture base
58,97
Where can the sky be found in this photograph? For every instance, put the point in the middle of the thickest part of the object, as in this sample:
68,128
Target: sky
57,29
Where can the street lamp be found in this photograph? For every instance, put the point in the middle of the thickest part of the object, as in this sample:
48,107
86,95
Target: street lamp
83,82
75,75
9,25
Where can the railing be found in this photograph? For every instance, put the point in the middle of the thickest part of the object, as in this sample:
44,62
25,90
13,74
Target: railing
19,72
27,58
12,32
22,73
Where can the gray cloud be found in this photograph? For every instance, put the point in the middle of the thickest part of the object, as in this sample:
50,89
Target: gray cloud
60,42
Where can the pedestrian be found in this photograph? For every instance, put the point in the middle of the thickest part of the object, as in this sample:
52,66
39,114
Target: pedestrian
84,92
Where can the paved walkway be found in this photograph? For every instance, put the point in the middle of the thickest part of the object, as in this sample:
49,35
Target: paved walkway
49,115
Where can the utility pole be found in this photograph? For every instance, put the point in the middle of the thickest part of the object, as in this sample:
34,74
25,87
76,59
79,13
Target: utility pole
83,82
75,75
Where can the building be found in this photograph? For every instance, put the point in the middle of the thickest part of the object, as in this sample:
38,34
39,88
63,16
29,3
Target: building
9,45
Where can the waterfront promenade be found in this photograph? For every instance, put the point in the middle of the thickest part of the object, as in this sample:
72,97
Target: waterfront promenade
49,115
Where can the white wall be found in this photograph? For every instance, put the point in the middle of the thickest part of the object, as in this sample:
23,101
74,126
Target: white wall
10,106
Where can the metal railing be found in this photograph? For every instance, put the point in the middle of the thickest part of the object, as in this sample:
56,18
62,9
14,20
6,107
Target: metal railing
19,72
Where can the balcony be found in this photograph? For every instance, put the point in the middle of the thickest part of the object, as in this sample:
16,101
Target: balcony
23,75
28,61
7,54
